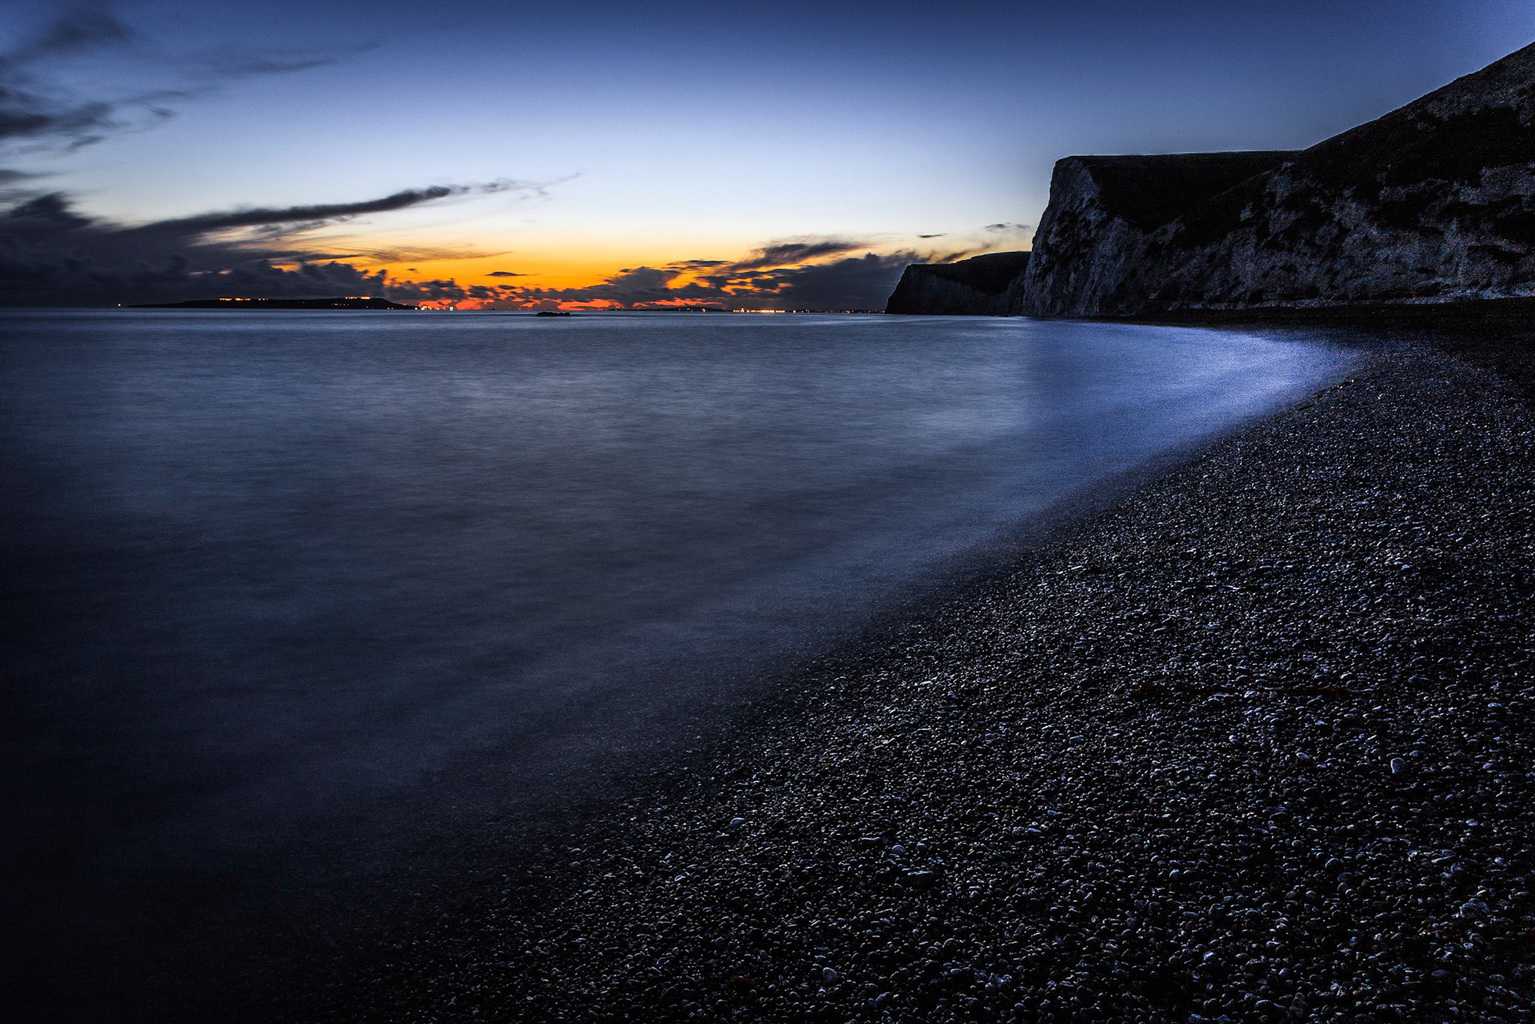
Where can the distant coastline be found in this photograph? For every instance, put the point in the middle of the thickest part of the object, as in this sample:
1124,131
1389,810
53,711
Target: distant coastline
247,303
368,302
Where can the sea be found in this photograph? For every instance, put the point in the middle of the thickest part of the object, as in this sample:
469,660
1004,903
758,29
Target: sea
299,602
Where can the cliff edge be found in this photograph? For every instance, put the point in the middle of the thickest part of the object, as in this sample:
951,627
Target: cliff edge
1434,202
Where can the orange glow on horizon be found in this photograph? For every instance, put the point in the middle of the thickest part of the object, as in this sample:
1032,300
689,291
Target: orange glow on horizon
520,273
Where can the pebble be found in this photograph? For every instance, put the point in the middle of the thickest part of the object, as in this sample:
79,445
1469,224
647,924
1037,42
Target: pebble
1197,865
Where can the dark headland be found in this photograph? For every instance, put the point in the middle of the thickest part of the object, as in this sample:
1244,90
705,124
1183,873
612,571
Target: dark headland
979,285
248,304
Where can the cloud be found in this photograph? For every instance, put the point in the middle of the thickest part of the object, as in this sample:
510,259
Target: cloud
52,254
408,253
14,184
635,286
854,282
39,114
321,213
780,254
953,255
235,65
530,189
787,273
437,290
45,213
938,235
1008,227
850,282
29,117
74,31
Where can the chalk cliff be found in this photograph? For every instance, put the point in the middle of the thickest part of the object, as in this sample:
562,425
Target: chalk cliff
1434,202
1104,213
977,285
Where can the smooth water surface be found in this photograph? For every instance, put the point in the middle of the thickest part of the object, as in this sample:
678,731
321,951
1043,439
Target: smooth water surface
318,584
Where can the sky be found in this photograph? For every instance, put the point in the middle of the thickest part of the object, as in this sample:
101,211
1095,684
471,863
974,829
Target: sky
779,155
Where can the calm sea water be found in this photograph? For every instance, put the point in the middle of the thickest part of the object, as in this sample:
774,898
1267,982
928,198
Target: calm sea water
329,582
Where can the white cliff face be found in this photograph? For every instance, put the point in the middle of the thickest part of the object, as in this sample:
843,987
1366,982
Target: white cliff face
1432,203
1083,252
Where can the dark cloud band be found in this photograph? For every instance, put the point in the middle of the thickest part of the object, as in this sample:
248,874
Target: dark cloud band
51,254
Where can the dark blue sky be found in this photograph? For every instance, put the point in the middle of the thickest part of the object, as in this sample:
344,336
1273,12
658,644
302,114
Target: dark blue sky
631,136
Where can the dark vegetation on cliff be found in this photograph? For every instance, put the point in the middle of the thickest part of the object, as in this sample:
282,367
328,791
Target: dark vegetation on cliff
1402,162
1150,191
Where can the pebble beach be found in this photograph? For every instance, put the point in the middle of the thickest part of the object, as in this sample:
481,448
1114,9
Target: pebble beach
1250,744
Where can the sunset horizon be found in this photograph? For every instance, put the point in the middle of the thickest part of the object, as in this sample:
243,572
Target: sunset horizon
133,171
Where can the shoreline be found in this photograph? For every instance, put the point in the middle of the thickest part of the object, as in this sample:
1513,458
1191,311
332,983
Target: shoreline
741,878
486,941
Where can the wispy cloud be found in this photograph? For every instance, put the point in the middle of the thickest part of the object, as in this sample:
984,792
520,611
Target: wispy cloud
315,248
234,65
40,114
321,214
790,253
51,253
696,264
74,31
